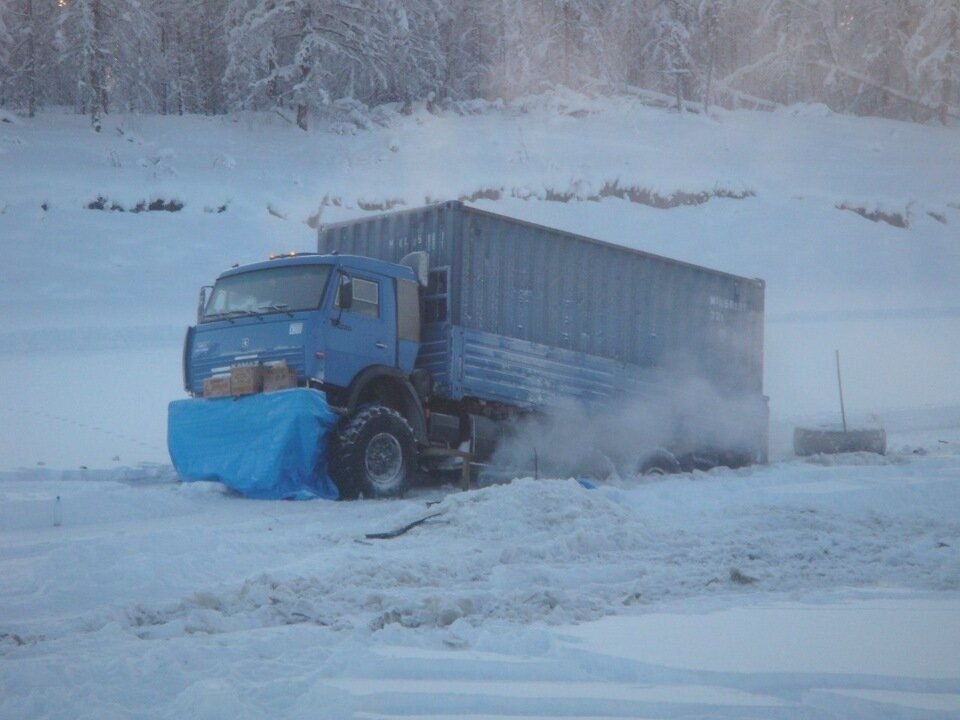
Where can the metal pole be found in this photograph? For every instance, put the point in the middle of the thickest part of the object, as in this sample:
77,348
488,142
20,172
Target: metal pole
843,413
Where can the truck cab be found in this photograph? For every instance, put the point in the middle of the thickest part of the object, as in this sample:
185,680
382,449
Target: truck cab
342,324
330,319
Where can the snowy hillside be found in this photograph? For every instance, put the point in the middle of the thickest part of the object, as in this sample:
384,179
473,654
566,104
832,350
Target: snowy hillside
797,590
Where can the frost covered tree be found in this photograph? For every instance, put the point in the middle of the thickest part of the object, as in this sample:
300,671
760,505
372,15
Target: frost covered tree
208,39
799,52
469,41
170,80
668,46
534,44
6,46
932,56
192,56
897,58
623,26
573,39
519,40
110,47
84,42
304,53
710,14
891,57
415,61
25,35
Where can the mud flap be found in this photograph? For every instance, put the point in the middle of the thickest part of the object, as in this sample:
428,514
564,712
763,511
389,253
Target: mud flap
266,446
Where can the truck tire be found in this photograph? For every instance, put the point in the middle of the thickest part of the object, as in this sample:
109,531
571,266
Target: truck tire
593,465
703,461
659,462
374,454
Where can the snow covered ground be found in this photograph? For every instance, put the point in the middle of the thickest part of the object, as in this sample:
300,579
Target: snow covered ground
802,589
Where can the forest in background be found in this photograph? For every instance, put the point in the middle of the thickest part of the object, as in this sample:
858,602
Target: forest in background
892,58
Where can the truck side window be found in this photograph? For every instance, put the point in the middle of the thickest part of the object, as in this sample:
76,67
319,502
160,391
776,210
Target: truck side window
366,298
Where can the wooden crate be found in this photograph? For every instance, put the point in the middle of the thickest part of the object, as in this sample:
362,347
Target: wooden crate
246,379
216,386
278,376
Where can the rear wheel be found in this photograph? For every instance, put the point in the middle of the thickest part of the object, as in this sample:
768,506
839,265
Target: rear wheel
659,462
703,461
374,454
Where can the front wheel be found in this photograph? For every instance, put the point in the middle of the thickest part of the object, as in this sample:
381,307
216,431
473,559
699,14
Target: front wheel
375,454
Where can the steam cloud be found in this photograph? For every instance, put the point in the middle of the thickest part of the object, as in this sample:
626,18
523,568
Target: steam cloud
689,419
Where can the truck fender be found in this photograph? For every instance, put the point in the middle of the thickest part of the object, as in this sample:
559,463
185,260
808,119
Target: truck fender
187,349
405,395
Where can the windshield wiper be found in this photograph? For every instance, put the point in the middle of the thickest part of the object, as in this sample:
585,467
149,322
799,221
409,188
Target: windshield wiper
219,316
231,314
278,307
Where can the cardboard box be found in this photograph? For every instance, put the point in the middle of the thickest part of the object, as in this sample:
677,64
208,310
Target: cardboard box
278,376
246,379
216,385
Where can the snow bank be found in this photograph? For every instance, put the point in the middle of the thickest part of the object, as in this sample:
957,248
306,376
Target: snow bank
151,594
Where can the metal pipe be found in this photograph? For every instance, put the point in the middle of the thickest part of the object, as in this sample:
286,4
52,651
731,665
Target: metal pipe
843,413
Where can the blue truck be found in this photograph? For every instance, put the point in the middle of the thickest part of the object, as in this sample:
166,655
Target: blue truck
447,327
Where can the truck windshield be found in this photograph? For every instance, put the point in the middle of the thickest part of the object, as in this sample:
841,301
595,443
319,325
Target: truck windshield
274,290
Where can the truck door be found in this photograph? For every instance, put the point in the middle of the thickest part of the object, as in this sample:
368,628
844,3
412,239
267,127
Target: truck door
363,334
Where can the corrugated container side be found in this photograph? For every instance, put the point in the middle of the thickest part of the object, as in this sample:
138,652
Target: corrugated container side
556,289
392,235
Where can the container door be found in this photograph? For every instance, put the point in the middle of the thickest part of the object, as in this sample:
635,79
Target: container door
364,334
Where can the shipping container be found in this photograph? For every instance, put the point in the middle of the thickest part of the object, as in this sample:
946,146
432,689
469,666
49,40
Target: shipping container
521,313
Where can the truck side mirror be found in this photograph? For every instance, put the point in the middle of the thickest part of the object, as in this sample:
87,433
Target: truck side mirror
202,301
345,296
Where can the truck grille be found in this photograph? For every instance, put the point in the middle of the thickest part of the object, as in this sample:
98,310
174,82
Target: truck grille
204,367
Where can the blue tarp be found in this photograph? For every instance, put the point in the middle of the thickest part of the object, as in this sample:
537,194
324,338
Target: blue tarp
268,445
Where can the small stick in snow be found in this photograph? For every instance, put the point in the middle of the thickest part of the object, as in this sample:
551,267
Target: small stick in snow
400,531
277,111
